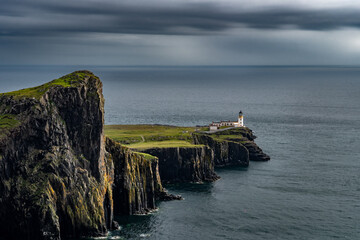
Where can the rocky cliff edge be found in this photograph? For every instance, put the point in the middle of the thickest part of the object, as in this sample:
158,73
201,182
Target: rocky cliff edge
56,177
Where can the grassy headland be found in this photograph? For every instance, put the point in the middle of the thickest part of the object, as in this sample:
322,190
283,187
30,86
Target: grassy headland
151,136
142,137
232,135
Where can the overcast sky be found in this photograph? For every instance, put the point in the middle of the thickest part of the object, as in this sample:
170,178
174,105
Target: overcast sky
180,32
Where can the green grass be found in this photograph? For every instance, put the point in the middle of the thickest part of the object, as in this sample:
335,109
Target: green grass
162,144
131,134
143,137
230,137
151,136
7,122
70,80
233,135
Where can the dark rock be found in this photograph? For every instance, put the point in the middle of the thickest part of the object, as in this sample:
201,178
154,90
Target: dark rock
137,181
185,164
255,152
226,153
165,196
234,146
54,177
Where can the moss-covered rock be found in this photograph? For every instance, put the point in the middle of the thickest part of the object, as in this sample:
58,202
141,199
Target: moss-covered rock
234,146
185,164
137,181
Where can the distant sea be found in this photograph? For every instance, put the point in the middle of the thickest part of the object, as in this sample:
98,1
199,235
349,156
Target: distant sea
306,118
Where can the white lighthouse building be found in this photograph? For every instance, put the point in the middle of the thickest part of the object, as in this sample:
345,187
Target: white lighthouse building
239,123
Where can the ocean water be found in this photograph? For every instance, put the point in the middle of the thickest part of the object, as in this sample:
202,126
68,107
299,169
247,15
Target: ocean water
306,118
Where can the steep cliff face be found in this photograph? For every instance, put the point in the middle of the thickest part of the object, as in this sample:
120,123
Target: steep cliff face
246,137
234,146
226,153
137,181
54,177
192,164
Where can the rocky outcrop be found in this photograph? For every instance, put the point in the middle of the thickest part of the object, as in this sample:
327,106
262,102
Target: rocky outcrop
54,177
232,147
255,152
137,181
226,153
247,139
185,164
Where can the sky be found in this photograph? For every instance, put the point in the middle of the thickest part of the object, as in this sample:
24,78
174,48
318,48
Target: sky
180,32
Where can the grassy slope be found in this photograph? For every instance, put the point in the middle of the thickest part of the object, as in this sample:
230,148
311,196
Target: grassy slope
151,136
70,80
162,144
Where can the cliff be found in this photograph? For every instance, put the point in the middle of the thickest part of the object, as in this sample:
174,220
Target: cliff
56,177
185,164
187,154
137,181
61,177
233,146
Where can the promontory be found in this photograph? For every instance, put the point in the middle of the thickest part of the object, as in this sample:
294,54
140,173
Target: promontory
63,174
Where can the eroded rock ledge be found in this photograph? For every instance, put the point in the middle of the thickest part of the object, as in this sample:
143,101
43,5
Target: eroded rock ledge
231,147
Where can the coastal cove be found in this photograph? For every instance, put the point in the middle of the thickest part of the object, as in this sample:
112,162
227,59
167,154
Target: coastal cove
306,119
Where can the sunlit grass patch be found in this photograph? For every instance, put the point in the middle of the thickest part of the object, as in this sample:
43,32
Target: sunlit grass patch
162,144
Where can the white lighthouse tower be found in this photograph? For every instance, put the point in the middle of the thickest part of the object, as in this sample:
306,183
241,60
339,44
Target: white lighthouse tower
241,119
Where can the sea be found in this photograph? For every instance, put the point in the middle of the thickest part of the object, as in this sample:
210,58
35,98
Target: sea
307,118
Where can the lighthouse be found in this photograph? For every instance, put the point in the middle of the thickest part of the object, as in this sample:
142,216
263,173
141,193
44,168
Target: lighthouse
216,125
241,119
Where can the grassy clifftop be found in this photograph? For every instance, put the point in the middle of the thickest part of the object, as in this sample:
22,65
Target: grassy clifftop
161,136
151,136
241,135
69,80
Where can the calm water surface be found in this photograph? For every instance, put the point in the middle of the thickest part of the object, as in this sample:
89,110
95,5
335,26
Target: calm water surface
306,118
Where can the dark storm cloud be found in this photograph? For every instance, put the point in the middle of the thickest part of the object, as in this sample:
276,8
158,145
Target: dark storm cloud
20,18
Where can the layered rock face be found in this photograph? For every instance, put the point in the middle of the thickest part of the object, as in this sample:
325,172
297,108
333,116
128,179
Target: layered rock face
226,153
137,181
54,177
234,146
185,164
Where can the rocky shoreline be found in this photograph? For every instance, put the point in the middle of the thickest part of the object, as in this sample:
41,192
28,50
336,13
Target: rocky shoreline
60,176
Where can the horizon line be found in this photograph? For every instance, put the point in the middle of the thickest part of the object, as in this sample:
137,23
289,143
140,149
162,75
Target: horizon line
182,66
